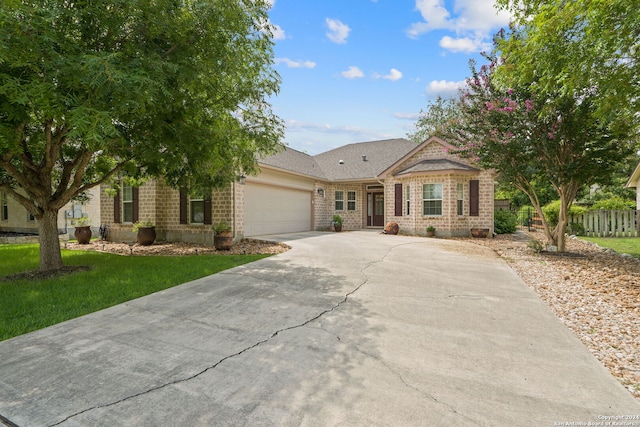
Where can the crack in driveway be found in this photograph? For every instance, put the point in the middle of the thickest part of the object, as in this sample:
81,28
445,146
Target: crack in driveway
257,344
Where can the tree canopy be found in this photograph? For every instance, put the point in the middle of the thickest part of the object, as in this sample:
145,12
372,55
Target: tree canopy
567,46
175,89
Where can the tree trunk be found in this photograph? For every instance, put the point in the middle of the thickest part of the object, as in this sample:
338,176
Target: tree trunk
563,221
50,255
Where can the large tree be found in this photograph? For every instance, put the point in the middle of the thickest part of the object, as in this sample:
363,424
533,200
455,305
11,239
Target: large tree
572,45
528,135
176,89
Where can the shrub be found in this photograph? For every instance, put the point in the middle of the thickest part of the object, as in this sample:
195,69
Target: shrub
552,210
505,222
613,203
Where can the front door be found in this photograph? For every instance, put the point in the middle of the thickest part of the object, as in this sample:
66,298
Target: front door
375,209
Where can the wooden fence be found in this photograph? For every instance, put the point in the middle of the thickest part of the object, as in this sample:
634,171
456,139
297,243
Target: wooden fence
605,223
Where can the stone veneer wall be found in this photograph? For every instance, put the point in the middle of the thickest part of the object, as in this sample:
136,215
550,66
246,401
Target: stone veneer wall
325,207
160,204
449,223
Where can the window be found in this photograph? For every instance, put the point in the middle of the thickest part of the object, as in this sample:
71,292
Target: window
196,208
432,199
127,203
407,199
339,200
351,200
4,207
460,202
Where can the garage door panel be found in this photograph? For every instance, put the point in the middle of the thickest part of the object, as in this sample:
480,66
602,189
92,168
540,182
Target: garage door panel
270,210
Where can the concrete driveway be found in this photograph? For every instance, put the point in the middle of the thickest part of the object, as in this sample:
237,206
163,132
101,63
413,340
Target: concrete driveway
354,328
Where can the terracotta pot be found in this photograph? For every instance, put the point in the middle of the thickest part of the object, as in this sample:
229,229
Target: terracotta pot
146,235
391,228
83,234
337,228
480,233
431,233
223,241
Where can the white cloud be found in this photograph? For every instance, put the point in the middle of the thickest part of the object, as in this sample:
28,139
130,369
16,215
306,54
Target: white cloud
352,73
464,44
278,32
393,75
444,88
471,20
406,116
295,64
338,32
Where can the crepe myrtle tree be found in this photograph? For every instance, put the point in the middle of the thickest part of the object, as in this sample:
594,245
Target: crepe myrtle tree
526,138
89,90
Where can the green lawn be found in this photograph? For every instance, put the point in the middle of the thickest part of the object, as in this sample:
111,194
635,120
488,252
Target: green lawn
27,305
625,245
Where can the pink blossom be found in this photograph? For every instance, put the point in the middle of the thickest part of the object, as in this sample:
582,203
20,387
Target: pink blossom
509,91
528,104
550,135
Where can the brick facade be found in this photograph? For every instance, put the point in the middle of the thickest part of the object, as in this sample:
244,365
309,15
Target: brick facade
161,204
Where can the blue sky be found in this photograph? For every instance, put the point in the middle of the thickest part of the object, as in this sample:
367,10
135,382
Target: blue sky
362,70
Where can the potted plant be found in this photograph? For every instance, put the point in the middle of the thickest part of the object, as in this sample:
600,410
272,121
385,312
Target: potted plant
336,221
222,236
83,230
431,231
145,232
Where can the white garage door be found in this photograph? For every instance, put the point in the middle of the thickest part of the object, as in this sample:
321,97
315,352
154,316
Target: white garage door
271,210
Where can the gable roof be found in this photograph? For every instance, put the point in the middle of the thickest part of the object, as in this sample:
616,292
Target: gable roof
363,160
634,178
294,161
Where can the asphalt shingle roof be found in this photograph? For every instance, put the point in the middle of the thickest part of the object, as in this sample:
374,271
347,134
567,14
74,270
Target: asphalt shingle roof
294,161
359,161
364,160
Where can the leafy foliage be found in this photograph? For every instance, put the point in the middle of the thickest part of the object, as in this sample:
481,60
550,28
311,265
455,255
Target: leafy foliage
614,203
508,125
166,88
552,211
505,222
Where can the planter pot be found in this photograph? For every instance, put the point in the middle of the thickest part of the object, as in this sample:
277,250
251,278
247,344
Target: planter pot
223,241
480,233
146,235
431,233
337,228
83,234
391,228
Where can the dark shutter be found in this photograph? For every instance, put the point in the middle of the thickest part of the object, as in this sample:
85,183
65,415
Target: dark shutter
207,210
135,194
117,218
183,207
398,200
474,197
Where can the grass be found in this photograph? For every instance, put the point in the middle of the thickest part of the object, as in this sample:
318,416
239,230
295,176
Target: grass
27,305
625,245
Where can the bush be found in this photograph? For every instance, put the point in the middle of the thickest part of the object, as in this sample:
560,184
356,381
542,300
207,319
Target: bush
552,211
614,203
504,222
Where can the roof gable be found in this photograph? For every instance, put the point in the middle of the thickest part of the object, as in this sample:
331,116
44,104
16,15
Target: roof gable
371,160
433,148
